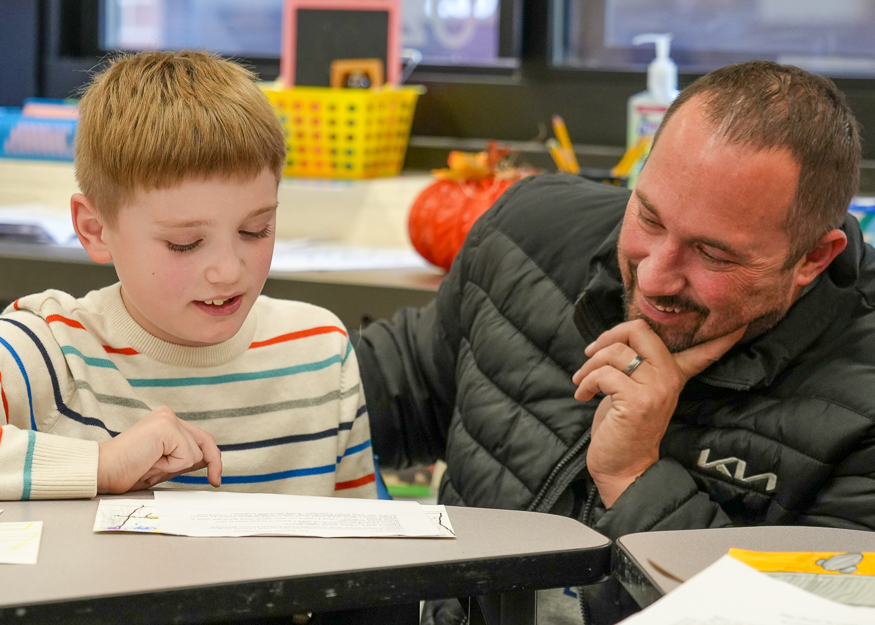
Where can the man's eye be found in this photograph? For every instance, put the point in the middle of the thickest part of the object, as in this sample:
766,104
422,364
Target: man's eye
646,220
261,234
713,259
173,247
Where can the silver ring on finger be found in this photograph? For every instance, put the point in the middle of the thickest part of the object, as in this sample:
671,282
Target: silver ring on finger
634,364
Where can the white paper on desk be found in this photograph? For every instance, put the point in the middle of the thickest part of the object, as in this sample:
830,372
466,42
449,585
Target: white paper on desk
38,224
730,592
440,519
203,513
322,257
126,515
19,542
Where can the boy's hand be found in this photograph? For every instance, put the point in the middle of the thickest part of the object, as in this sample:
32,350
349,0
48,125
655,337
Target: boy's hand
159,447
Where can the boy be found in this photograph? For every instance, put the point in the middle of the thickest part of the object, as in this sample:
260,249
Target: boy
182,365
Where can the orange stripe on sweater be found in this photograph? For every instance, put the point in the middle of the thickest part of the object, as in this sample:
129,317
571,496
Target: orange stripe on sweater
297,335
126,351
367,479
69,322
15,305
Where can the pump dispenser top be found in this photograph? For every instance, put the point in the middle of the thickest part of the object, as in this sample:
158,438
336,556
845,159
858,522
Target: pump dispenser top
647,108
662,72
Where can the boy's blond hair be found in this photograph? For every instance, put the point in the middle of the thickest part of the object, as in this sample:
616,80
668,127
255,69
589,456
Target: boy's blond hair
155,119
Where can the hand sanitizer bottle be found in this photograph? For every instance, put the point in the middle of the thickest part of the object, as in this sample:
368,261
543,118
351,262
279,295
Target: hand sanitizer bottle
647,108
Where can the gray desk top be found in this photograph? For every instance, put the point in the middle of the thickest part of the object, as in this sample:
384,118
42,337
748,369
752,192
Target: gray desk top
169,578
646,563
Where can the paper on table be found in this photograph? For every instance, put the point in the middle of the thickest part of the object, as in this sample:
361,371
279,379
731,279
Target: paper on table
141,515
202,513
19,542
295,256
126,515
730,592
440,519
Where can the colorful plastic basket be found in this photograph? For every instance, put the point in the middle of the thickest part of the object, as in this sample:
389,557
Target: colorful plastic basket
344,133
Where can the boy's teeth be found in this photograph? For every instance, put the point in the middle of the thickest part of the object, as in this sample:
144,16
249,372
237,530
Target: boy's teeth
215,302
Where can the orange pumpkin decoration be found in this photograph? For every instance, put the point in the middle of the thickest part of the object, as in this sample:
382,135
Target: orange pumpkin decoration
443,213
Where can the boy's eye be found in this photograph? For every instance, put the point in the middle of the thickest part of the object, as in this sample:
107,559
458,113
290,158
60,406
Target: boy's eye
173,247
257,235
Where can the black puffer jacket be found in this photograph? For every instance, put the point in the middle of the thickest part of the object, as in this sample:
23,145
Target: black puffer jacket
779,431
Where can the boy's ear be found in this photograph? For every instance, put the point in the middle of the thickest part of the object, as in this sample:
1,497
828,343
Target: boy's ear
89,228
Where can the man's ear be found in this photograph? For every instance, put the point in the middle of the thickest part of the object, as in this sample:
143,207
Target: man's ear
814,262
89,228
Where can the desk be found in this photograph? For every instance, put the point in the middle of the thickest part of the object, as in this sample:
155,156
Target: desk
83,577
362,213
685,553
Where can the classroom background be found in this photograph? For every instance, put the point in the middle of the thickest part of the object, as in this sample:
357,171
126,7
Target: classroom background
493,69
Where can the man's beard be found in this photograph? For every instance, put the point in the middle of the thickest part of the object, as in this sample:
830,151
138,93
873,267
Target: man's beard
678,341
674,341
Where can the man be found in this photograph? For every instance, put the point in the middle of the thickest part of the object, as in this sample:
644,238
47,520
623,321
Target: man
719,331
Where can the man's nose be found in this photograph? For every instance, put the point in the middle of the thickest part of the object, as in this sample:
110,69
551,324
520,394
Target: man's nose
661,272
225,266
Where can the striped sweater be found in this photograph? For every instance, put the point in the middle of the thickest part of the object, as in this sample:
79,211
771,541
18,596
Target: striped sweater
282,397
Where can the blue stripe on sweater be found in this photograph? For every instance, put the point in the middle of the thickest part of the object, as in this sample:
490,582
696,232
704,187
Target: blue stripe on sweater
347,425
28,465
354,450
235,377
56,388
253,479
293,438
26,380
89,360
283,440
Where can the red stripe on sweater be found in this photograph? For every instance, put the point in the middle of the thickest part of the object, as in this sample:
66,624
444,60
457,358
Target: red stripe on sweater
15,305
126,351
5,403
355,483
297,335
69,322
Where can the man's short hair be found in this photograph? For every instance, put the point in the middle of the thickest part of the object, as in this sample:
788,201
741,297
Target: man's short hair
765,105
153,120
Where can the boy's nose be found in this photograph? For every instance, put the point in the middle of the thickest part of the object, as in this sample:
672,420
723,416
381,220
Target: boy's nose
225,267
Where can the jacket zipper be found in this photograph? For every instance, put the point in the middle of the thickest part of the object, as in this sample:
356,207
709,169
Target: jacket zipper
567,468
730,385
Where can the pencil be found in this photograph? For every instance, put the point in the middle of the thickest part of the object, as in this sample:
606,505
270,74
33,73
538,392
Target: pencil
558,155
565,141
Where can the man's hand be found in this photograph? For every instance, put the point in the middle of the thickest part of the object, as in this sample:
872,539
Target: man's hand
632,418
159,447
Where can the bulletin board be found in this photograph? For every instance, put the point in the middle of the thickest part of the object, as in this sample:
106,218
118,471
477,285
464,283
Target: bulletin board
317,32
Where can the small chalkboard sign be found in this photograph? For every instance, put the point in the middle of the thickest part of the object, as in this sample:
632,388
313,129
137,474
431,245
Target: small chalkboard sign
318,32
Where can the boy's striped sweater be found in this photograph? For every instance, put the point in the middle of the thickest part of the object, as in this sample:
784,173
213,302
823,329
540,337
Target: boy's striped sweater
282,398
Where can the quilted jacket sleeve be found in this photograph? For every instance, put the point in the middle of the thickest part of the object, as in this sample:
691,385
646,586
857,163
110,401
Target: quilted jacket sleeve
407,368
664,497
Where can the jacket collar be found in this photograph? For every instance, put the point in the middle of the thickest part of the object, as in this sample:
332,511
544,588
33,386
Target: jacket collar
829,303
